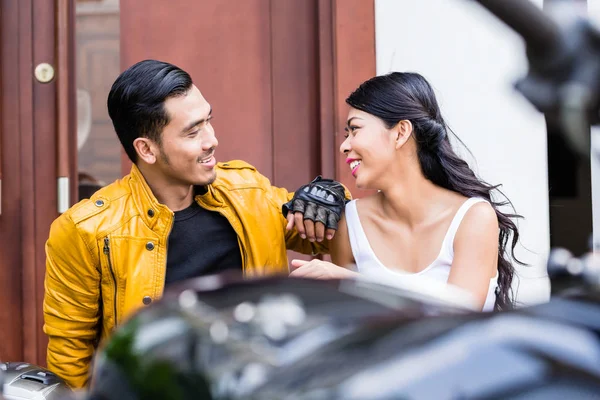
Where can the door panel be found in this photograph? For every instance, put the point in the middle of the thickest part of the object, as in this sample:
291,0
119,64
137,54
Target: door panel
11,316
295,111
275,72
225,46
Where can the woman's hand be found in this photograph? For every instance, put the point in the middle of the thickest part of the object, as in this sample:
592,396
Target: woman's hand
317,269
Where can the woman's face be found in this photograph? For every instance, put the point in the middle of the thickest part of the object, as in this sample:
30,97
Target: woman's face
369,147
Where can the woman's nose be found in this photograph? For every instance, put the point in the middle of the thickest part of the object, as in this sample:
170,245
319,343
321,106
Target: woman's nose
345,146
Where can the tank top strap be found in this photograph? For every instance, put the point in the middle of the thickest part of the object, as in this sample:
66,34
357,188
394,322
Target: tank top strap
448,243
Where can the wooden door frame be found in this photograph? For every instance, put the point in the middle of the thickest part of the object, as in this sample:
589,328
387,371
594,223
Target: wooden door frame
33,115
11,225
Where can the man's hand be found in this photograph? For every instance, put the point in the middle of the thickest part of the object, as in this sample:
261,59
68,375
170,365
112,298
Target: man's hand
318,269
316,209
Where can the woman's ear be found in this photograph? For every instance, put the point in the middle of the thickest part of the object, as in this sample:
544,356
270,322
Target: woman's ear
145,149
403,130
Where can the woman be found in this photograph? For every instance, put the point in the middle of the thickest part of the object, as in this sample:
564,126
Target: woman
431,217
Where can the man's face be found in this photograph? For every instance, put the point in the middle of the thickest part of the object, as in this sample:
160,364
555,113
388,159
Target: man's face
186,153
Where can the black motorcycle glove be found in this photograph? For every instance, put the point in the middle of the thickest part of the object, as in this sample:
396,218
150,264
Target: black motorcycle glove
322,200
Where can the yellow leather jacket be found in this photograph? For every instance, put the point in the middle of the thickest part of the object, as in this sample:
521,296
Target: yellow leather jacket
106,256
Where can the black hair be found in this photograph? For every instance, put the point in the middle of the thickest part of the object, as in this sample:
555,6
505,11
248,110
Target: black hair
408,96
136,101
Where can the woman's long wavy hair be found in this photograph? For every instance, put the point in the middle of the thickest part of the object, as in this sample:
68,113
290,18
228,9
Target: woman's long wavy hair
408,96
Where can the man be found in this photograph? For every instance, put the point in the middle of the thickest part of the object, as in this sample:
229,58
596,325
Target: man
176,216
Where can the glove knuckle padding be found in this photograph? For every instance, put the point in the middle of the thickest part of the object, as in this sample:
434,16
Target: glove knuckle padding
332,221
321,216
322,200
298,205
311,211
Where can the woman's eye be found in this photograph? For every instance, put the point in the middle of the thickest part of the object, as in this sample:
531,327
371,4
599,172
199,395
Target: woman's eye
350,130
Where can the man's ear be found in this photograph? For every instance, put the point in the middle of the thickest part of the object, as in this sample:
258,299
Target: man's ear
146,150
403,130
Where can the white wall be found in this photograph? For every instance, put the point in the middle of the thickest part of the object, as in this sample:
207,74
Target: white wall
472,60
595,163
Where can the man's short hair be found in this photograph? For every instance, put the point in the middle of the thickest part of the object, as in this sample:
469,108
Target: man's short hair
136,101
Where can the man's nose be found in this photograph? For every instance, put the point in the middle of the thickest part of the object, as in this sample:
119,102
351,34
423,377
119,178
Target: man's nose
211,139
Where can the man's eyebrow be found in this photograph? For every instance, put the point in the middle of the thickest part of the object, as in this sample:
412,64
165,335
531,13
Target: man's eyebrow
198,122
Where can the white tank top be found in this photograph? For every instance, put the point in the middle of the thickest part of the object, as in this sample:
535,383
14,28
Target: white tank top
439,270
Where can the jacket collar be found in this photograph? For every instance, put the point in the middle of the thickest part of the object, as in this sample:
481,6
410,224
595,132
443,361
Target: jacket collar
211,197
151,211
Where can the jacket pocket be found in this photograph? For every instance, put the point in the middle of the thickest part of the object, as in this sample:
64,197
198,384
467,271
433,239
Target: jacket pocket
138,265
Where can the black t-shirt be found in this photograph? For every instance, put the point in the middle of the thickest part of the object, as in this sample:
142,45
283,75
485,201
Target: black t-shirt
201,242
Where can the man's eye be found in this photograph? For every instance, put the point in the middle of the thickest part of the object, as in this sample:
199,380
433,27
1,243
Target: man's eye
193,133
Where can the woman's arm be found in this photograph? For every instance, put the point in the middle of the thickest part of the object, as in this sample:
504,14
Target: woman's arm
341,255
476,252
341,252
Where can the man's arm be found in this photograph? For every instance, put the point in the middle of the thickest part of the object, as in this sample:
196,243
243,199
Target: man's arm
71,302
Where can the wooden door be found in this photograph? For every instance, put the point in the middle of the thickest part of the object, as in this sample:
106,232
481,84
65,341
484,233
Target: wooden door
35,131
276,73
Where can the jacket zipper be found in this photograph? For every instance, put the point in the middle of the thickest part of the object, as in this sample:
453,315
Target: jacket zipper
112,273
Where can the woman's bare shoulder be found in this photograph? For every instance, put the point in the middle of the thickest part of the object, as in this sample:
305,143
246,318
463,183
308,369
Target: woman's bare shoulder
481,218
